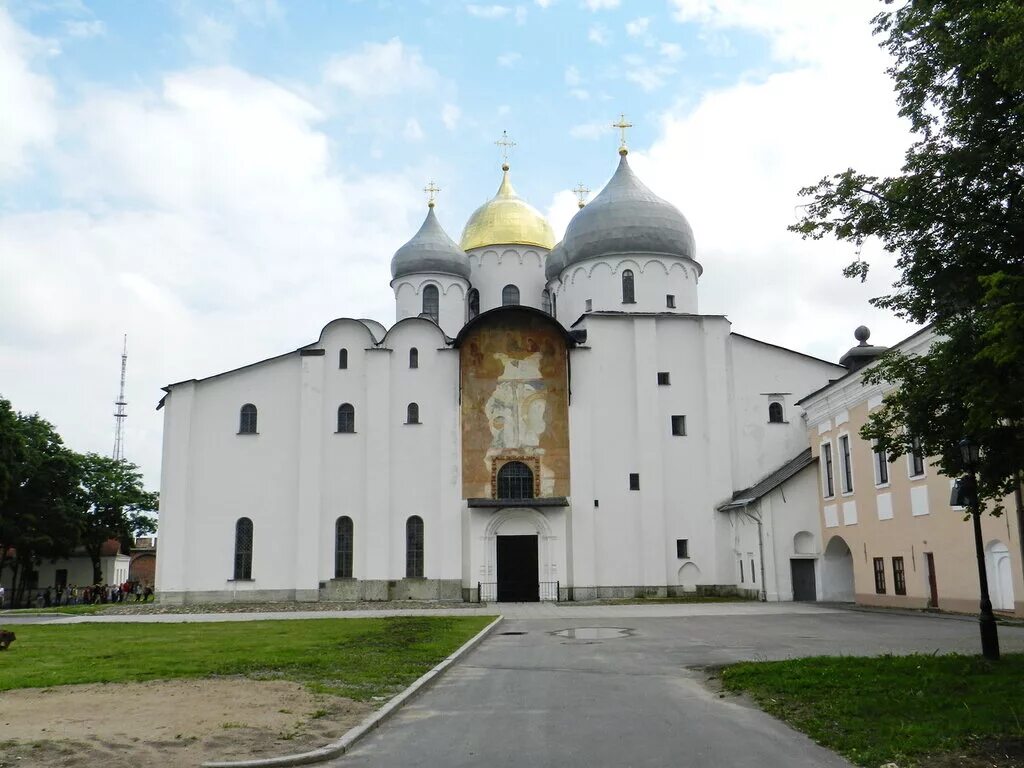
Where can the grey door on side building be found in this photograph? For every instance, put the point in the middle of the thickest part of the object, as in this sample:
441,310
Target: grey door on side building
804,587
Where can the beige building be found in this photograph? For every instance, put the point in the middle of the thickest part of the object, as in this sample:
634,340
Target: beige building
890,536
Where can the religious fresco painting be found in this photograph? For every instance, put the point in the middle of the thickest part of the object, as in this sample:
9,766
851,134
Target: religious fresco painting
515,404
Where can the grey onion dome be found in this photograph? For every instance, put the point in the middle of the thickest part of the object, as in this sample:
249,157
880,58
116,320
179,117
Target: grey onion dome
554,263
430,250
627,218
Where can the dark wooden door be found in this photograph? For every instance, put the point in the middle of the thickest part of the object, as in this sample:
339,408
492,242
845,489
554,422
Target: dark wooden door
804,587
933,587
518,580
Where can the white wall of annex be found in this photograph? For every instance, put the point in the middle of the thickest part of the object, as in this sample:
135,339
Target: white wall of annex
494,267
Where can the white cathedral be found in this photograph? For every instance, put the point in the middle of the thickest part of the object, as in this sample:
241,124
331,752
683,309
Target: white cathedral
543,421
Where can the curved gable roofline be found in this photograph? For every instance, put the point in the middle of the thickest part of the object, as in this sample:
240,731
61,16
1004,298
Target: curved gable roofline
517,309
362,324
416,319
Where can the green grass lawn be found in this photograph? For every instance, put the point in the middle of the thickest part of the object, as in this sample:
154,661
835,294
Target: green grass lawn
68,609
906,709
356,658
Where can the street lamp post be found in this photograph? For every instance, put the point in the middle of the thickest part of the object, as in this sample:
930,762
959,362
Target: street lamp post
969,494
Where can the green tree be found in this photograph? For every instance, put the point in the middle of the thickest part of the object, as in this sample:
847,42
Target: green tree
115,505
40,516
954,218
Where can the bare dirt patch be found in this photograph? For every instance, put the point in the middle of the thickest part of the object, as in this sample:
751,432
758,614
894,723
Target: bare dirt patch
171,724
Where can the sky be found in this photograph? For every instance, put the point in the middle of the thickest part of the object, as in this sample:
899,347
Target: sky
220,179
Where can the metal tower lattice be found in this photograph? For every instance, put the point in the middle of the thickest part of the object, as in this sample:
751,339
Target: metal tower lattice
119,414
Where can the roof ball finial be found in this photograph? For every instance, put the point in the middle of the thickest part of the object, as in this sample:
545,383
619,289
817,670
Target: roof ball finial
862,334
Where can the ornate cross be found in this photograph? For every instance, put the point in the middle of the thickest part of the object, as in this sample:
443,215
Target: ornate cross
622,125
431,189
581,193
506,145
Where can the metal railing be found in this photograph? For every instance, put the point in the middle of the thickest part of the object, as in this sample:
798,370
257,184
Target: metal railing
546,591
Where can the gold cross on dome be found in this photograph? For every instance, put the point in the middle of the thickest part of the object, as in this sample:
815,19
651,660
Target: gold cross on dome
431,189
506,145
581,194
622,125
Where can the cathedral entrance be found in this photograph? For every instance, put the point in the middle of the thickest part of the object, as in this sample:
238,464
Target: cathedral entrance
518,579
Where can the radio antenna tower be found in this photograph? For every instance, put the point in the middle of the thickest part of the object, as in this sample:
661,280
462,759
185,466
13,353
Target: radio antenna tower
119,414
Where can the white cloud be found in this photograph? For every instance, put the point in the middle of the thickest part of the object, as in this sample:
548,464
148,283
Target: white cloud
671,51
521,14
564,205
733,165
85,29
450,115
649,76
598,34
197,216
601,5
413,131
638,27
381,69
509,59
488,11
26,96
589,131
210,38
543,3
580,94
572,76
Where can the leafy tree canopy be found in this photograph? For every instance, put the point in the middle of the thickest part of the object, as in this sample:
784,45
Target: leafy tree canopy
954,219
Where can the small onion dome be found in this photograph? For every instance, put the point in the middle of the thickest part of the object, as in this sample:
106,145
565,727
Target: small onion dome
555,263
627,218
862,354
506,219
430,250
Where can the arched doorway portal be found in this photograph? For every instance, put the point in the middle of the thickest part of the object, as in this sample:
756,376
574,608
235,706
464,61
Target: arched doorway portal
1000,580
519,551
837,572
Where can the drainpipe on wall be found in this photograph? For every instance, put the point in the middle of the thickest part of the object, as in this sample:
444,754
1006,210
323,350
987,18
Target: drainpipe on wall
763,596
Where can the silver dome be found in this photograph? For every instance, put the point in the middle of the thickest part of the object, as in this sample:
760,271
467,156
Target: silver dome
430,250
627,218
554,263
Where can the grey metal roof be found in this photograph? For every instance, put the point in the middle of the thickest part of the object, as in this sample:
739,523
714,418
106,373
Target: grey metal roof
771,482
555,263
627,218
430,250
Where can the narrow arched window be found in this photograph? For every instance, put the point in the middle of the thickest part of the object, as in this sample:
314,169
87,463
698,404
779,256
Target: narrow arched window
414,358
243,548
414,547
431,303
628,294
515,481
412,414
775,413
346,418
545,301
247,420
343,548
474,303
509,296
343,358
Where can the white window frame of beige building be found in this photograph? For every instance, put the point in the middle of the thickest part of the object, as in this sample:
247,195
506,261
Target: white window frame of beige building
846,484
878,458
826,465
910,466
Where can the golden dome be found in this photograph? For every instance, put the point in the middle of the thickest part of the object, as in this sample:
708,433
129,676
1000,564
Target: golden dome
506,219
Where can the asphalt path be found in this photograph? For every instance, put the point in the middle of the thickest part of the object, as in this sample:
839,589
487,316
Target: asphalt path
631,692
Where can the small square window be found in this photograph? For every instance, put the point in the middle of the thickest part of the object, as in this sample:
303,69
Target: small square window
679,426
663,378
589,305
683,549
634,481
670,301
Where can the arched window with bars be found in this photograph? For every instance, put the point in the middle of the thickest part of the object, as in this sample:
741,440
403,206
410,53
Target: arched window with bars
414,358
628,292
509,296
431,303
474,303
515,481
775,415
243,549
343,531
247,420
346,418
412,414
414,547
545,301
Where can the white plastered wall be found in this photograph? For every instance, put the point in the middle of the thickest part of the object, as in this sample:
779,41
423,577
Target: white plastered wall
494,267
451,296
